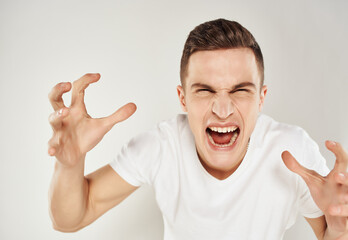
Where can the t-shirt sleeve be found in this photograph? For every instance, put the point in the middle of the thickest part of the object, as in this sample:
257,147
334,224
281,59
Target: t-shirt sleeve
311,159
140,159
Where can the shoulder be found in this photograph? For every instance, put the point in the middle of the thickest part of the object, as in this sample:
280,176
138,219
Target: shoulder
164,132
173,125
141,159
286,137
268,129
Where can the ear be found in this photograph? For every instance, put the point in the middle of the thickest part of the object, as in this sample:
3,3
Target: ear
262,96
181,96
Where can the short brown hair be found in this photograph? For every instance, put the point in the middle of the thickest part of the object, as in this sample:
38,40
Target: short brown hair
219,34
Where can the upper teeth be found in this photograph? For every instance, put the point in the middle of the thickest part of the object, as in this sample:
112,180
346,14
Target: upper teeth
223,130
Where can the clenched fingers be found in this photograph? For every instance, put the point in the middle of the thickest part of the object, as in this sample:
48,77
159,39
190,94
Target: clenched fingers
80,85
57,117
55,96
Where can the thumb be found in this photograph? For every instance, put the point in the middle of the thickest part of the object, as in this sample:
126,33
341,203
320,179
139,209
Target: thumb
120,115
292,164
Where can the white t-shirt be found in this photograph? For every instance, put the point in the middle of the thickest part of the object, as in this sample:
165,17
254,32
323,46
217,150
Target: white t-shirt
260,200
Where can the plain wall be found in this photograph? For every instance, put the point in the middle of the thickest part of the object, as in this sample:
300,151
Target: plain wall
136,46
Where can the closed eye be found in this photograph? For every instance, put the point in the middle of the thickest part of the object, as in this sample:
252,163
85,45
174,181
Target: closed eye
241,90
205,90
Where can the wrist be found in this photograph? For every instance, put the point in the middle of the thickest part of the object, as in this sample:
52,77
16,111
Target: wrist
75,169
71,164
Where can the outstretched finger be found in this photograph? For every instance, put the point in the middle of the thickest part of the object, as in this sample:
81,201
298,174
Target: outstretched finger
79,86
120,115
55,96
56,118
309,176
336,148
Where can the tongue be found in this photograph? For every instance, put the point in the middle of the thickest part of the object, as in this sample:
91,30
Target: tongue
221,138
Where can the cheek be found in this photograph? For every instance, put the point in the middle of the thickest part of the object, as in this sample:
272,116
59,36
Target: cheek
248,109
246,105
198,106
197,111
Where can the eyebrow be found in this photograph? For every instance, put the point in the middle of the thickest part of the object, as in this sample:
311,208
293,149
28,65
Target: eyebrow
240,85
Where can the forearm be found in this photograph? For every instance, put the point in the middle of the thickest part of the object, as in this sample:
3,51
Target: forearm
68,196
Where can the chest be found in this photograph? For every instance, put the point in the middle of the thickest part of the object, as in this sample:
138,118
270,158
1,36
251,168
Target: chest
262,195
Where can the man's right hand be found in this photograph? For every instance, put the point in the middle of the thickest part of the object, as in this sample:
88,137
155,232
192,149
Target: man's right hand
77,200
74,131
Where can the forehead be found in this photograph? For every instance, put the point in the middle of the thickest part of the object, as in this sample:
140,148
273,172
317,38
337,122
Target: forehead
223,68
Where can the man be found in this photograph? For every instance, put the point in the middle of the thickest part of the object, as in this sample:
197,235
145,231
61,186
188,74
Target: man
217,170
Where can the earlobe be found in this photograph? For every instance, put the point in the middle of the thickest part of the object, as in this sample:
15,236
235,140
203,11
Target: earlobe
181,96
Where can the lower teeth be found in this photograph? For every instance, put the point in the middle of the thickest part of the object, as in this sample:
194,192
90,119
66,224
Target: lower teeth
234,137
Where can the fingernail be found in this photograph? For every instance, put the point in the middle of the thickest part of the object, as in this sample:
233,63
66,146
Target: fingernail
60,111
333,143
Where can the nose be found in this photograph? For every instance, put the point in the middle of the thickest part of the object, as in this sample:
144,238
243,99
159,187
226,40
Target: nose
222,106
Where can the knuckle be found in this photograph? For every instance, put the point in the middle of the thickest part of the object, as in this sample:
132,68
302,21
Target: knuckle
56,139
59,85
51,117
54,117
75,83
52,142
52,95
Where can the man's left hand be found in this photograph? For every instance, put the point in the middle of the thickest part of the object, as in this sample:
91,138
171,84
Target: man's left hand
330,193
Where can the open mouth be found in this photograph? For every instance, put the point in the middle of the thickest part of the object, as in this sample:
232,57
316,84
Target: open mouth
222,136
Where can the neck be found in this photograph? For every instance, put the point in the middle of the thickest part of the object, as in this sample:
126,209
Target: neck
222,174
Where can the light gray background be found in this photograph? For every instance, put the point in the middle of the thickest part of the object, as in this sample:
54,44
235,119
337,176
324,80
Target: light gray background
136,46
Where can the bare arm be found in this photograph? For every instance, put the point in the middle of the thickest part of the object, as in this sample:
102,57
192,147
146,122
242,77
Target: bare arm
321,230
318,225
75,200
78,201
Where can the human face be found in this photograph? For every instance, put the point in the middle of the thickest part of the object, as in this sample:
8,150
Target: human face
222,93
